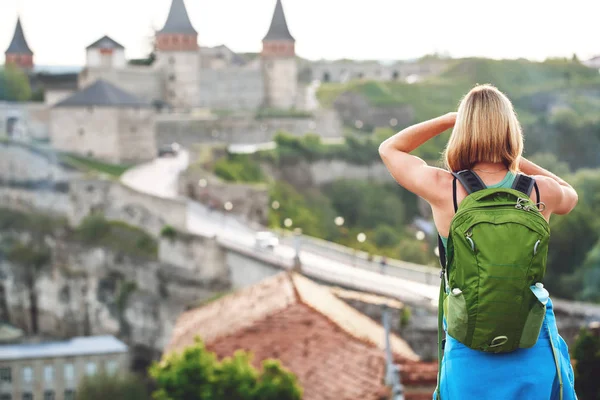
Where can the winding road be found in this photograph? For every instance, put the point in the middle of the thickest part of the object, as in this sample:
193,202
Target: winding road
159,178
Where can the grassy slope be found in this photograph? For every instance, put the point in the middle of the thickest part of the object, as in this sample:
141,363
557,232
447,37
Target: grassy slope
437,95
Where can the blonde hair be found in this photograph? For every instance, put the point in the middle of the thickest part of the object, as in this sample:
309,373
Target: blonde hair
486,130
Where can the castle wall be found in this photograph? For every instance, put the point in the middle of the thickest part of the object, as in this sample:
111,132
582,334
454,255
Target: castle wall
144,82
91,131
32,119
281,82
231,88
137,141
189,130
181,77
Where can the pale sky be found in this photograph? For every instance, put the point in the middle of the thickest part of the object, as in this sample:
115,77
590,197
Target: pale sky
59,30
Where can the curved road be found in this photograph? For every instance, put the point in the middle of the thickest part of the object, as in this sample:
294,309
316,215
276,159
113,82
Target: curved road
159,178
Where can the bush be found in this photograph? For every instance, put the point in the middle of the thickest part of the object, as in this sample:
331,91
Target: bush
196,374
587,354
168,232
104,386
95,230
385,236
238,168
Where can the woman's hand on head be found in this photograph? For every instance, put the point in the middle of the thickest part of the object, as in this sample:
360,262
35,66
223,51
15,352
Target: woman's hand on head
451,117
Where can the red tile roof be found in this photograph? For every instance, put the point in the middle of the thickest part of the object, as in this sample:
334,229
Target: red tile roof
335,351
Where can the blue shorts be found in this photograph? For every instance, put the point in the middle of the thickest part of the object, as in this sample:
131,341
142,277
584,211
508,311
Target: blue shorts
525,374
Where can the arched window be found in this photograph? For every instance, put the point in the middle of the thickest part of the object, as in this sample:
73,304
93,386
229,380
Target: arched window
326,77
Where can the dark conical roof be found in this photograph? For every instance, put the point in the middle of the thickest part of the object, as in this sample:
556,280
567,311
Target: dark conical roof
178,20
102,93
18,45
279,28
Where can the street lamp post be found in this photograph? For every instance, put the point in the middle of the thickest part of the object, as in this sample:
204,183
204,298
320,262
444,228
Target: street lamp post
227,206
275,206
361,237
297,243
392,376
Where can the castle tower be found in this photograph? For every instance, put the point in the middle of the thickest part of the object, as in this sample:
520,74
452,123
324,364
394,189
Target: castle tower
178,55
280,69
105,53
18,52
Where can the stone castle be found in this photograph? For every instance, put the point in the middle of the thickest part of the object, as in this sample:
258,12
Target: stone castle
184,75
184,92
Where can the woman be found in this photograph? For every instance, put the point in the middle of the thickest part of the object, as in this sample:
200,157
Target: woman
486,139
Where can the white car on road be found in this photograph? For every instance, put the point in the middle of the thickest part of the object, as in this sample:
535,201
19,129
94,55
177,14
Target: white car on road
266,240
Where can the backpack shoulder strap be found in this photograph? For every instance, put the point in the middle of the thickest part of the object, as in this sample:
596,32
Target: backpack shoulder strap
470,180
525,184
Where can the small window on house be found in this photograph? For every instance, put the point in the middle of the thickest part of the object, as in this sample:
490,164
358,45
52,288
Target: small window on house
5,375
395,75
133,129
69,395
81,132
90,369
172,77
49,395
27,396
90,110
27,374
326,77
171,60
111,367
69,372
171,93
5,396
48,373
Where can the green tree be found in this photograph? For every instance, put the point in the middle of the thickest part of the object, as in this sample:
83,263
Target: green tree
196,374
14,84
385,236
104,386
587,354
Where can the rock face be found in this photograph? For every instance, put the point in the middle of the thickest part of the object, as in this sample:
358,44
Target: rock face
95,291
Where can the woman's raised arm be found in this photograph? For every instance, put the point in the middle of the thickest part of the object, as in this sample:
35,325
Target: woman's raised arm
410,171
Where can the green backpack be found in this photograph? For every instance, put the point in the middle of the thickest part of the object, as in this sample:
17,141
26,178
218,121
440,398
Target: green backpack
497,249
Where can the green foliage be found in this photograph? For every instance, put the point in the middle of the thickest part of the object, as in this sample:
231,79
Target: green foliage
196,374
32,257
95,230
239,168
31,221
365,204
590,275
414,251
104,386
277,113
89,164
14,84
385,236
310,211
587,355
405,316
168,232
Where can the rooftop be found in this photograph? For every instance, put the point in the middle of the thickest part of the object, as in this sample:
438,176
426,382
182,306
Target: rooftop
178,20
79,346
279,29
18,45
105,42
102,93
315,334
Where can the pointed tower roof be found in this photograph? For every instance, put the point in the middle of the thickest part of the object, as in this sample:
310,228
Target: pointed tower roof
178,20
279,28
18,45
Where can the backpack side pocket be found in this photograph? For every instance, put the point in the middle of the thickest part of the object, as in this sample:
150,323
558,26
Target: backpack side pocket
457,316
533,325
